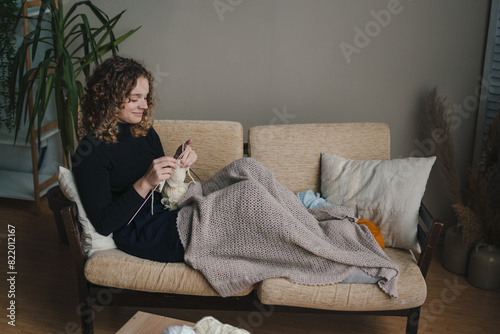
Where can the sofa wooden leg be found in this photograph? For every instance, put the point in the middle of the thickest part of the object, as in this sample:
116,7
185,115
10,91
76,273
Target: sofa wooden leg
412,322
86,317
85,307
87,328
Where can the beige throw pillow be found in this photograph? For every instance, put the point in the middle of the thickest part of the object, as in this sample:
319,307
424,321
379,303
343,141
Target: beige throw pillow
90,239
386,192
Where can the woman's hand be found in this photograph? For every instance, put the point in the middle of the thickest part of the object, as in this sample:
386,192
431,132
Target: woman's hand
159,170
189,157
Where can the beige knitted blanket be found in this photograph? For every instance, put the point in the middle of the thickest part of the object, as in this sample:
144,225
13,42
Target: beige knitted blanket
242,226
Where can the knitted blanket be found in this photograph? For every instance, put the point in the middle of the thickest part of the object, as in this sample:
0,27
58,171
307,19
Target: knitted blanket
242,226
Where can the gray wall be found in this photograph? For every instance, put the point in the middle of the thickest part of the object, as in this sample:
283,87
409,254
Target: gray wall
279,61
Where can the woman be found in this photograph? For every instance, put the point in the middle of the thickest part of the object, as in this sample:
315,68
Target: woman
269,233
120,160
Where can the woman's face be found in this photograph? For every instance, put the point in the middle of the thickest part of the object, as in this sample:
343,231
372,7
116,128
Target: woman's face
134,108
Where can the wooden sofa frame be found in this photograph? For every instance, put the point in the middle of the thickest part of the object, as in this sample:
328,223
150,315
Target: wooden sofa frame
91,295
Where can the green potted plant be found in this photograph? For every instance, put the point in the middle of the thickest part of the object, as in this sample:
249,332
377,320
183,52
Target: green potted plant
70,47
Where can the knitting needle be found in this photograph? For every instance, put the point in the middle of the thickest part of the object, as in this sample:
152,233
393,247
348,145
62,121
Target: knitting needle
153,190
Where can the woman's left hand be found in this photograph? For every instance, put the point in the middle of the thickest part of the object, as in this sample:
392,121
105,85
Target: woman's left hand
189,157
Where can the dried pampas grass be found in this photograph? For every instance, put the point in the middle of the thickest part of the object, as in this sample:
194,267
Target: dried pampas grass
438,125
470,226
478,214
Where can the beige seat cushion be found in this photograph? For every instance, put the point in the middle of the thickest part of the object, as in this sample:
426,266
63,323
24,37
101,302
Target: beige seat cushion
117,269
412,291
293,151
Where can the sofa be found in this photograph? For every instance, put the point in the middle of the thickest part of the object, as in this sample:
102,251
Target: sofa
295,153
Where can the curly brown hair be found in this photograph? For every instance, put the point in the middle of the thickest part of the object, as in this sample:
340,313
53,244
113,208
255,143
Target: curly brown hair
105,92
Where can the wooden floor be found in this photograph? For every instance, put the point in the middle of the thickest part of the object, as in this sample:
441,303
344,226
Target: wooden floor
46,300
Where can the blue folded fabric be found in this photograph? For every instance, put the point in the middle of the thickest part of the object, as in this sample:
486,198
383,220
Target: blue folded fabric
311,200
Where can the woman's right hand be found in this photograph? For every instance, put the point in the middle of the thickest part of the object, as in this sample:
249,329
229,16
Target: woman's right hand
160,170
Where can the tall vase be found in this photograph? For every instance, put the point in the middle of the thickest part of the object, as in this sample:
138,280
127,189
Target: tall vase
456,252
484,267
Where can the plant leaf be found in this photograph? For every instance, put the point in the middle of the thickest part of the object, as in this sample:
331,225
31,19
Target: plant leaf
85,61
43,7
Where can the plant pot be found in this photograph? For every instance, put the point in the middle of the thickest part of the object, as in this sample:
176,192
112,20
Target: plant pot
456,253
484,267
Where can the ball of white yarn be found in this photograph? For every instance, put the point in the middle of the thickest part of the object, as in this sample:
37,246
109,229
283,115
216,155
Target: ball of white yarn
210,325
176,329
174,188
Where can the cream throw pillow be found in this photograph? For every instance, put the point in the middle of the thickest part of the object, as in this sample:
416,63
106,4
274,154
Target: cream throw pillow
386,192
90,239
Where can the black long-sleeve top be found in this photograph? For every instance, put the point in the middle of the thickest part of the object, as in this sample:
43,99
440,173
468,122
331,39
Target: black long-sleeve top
105,175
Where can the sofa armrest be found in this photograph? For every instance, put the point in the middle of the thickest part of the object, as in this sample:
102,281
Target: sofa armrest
73,232
428,234
67,212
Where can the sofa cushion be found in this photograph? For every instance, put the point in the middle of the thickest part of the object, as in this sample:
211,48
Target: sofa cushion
292,151
117,269
412,291
386,192
217,143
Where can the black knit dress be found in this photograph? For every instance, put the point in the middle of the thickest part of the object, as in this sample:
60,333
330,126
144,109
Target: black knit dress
105,175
